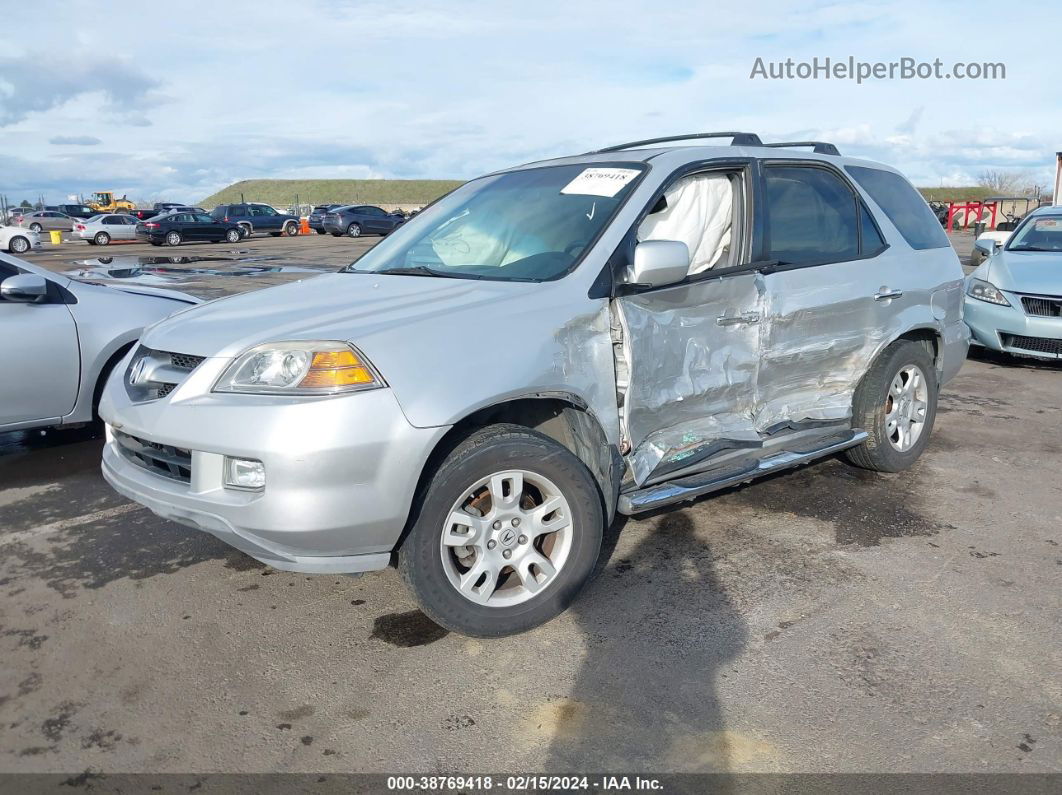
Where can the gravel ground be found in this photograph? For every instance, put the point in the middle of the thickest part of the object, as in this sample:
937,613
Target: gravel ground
825,619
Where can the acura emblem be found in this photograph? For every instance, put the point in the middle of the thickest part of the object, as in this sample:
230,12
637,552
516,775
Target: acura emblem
136,373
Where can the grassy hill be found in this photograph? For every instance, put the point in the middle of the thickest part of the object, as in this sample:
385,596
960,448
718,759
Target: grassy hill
322,191
965,194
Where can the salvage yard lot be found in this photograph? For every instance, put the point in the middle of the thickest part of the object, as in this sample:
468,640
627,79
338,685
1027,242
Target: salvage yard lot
824,619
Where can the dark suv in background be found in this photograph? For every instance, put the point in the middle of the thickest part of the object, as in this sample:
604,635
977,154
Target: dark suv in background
361,219
317,216
252,217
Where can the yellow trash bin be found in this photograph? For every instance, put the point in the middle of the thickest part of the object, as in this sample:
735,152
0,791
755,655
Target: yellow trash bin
57,237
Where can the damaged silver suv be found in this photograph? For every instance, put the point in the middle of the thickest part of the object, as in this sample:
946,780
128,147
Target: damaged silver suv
477,396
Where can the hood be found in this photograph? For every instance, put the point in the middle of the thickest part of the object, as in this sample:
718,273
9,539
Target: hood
353,307
1038,272
156,292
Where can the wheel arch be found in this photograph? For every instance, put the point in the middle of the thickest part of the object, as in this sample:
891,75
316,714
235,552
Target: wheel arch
563,417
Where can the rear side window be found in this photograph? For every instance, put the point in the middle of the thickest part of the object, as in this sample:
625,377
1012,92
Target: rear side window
903,205
811,216
870,235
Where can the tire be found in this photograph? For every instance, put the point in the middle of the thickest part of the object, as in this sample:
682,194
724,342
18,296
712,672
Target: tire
36,228
173,238
337,234
886,449
101,239
246,230
233,236
18,244
291,229
354,230
321,232
433,570
154,243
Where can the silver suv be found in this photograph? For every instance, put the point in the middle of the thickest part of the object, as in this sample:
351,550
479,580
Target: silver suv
478,395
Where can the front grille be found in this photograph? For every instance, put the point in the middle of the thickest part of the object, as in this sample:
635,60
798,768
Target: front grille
185,361
161,459
154,374
1042,306
1041,345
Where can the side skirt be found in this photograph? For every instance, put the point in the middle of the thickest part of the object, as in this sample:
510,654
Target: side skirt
693,486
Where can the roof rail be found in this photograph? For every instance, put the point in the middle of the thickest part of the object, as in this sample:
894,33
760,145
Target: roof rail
819,147
740,139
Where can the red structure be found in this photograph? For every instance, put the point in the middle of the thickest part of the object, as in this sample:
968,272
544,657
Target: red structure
977,208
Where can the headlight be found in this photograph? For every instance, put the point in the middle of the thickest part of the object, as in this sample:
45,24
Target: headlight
299,368
986,291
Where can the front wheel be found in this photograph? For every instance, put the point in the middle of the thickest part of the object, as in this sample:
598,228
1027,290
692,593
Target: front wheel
173,239
896,404
291,229
102,239
507,534
18,245
321,232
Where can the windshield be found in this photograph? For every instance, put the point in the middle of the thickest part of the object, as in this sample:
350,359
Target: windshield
1038,234
529,225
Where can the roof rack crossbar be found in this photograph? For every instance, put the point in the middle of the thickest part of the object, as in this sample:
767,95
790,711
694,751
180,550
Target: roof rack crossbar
819,147
739,139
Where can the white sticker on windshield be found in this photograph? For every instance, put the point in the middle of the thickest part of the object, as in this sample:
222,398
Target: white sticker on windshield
600,181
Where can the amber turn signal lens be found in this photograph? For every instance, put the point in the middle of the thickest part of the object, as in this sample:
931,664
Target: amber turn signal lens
340,376
336,369
325,360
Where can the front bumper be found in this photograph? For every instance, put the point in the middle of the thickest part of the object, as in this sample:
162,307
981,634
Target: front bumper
340,472
1002,328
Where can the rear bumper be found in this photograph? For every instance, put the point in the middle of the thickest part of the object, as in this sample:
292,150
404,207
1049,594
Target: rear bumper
1001,328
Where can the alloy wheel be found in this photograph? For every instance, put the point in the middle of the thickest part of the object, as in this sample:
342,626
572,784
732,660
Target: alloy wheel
906,407
506,538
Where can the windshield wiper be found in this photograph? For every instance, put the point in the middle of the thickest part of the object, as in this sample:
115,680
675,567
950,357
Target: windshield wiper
416,270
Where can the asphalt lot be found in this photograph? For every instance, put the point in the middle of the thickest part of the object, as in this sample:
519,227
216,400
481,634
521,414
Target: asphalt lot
826,619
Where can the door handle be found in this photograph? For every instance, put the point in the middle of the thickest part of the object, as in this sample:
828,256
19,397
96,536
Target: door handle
735,320
884,294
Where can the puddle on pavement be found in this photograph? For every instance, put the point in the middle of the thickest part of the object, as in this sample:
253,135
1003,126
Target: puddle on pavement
407,630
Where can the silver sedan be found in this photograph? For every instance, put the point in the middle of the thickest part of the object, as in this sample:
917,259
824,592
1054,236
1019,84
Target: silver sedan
100,230
62,340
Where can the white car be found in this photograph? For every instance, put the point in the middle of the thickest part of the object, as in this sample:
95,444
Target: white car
15,240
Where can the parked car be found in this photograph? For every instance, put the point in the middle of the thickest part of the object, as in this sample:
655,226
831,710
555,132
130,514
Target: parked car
1014,297
317,214
46,220
479,394
15,240
77,211
145,214
252,217
361,219
69,336
101,229
176,228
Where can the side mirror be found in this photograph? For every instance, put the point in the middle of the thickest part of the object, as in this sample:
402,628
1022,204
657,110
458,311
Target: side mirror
659,262
27,288
988,243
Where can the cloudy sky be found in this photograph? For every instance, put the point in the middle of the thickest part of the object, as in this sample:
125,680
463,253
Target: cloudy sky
173,101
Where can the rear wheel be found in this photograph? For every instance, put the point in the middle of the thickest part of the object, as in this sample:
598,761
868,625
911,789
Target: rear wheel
246,230
507,534
18,244
36,228
354,230
173,239
896,404
233,236
102,239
